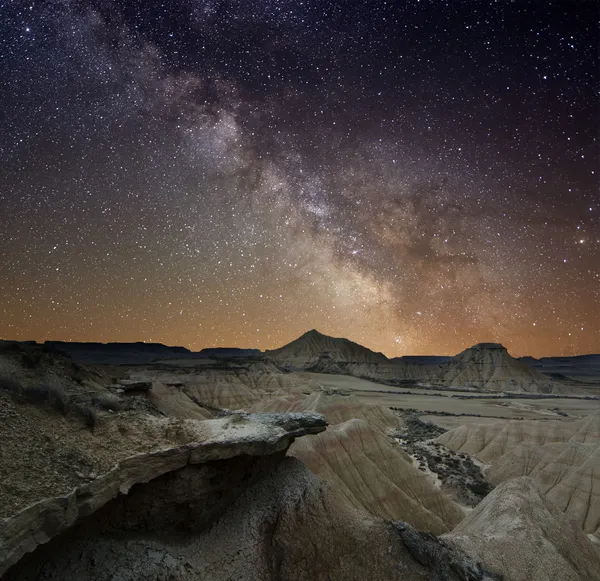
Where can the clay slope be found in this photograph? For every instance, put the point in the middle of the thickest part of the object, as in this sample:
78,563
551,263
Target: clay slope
372,472
308,349
489,367
488,442
561,458
567,473
335,408
287,526
518,531
236,386
359,459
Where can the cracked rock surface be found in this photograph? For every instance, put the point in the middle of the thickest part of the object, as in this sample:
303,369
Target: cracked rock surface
286,526
235,436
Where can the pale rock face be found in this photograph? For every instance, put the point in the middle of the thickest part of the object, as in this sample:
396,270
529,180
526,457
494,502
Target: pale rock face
560,457
518,531
287,526
311,347
489,367
207,441
373,472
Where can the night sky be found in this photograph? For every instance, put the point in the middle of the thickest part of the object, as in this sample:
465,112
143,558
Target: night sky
417,176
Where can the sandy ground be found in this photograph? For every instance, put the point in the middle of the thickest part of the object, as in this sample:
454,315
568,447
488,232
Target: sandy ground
451,422
454,402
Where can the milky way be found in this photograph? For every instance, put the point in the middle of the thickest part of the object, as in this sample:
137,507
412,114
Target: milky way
416,176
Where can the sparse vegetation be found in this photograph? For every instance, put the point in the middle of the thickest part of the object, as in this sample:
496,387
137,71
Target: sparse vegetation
47,394
54,396
456,471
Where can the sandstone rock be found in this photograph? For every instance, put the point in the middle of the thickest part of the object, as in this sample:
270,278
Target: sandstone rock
489,367
242,434
288,526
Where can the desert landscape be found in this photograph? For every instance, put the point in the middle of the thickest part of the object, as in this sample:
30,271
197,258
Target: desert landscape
318,460
299,290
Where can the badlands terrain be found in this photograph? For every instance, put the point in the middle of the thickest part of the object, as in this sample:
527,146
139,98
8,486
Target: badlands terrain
318,460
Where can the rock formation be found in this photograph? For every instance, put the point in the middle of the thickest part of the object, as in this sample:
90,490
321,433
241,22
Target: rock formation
154,478
483,367
373,472
358,458
561,458
518,531
308,349
489,367
287,526
135,495
239,435
488,442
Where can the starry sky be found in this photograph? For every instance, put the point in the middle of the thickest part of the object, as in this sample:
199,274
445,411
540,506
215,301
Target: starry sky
416,176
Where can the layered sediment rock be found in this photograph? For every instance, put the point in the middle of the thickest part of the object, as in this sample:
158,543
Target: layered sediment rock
518,531
287,526
234,436
561,458
489,367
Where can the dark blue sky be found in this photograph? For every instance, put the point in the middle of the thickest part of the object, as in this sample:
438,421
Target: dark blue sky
416,176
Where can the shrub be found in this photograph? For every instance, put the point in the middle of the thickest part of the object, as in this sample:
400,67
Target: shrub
480,488
46,394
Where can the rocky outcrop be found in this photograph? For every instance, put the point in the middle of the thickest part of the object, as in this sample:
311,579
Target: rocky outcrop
446,561
336,408
489,367
286,526
372,472
561,458
235,436
518,531
308,349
